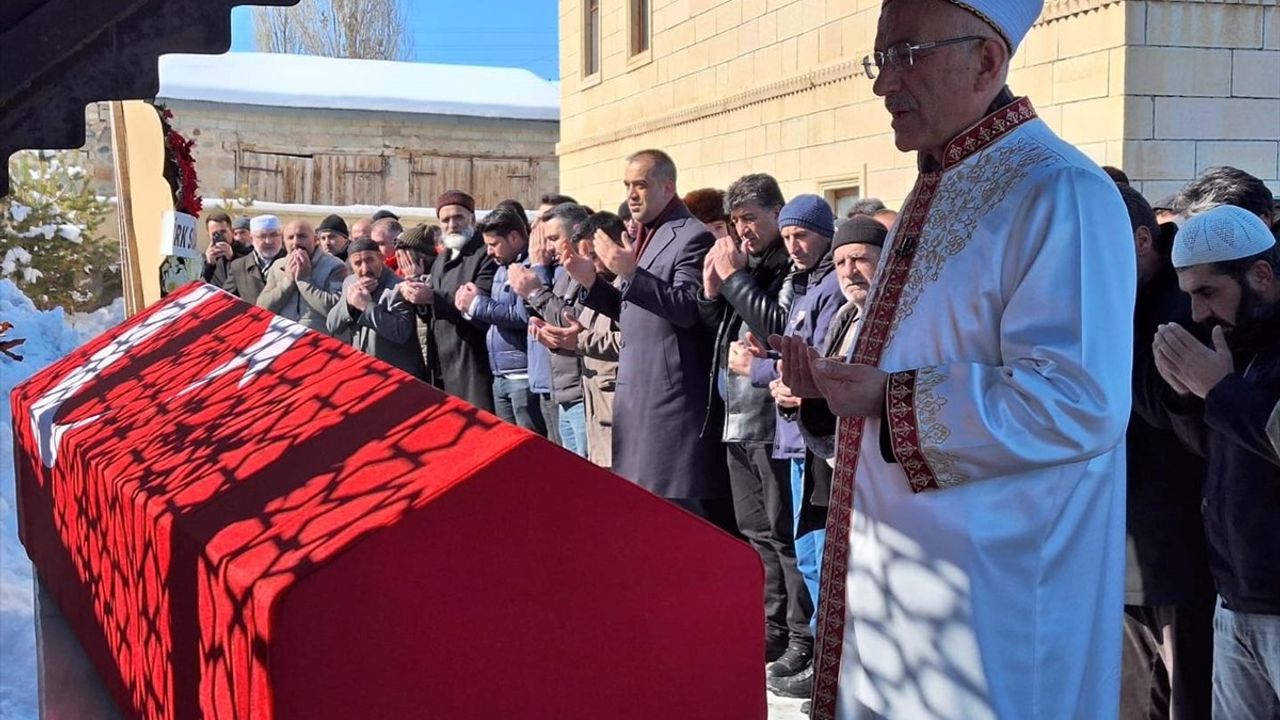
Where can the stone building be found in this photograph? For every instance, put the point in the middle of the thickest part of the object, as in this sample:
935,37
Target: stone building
327,131
1162,89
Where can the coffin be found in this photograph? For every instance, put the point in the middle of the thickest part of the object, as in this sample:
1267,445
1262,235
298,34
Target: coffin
240,518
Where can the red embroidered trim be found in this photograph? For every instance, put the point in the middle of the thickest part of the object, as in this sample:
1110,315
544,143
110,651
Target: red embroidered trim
904,430
870,346
987,131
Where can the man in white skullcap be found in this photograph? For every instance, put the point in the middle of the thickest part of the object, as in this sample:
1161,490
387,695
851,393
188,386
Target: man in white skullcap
247,276
1223,397
974,565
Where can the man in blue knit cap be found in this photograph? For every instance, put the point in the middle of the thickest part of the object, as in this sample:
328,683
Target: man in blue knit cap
974,561
811,295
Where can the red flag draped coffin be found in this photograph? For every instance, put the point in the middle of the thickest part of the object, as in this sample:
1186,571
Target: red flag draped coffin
243,519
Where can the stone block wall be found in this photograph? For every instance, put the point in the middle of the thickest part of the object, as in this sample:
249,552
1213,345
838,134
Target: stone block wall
1203,79
1162,88
223,133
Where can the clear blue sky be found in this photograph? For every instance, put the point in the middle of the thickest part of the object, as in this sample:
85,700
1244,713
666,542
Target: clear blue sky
511,33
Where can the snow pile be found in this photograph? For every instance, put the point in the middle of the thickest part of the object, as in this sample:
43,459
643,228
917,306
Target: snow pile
50,335
309,81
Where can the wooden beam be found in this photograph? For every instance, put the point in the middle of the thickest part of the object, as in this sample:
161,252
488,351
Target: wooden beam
130,267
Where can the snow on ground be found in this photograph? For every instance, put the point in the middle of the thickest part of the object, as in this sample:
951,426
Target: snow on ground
50,335
309,81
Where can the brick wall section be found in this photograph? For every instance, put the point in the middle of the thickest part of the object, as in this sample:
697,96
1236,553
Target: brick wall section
1163,89
220,130
1204,80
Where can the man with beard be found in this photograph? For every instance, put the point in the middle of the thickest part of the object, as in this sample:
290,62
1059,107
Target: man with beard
373,314
247,276
459,360
1168,611
226,243
660,408
1227,261
306,284
741,286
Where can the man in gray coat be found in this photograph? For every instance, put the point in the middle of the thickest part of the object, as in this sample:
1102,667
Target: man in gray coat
247,276
378,320
660,408
306,284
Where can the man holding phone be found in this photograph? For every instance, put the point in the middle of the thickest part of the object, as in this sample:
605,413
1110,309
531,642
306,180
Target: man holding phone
223,247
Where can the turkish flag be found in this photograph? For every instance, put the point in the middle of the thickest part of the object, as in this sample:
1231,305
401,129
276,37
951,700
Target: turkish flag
241,518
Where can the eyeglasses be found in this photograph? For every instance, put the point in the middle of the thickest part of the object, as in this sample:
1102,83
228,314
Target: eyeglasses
903,55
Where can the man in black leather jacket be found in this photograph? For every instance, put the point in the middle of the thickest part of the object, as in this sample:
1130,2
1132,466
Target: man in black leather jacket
741,283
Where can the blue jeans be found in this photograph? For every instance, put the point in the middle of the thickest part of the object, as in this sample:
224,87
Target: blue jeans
573,427
1246,665
514,402
808,546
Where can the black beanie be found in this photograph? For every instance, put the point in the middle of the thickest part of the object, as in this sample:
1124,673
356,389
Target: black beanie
334,223
859,229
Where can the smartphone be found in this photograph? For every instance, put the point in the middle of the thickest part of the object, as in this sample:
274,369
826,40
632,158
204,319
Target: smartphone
773,354
220,236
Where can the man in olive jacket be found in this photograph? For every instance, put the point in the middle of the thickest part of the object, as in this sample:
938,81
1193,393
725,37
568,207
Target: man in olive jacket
305,284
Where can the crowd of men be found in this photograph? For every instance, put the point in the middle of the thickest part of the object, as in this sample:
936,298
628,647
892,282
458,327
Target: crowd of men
1011,454
640,341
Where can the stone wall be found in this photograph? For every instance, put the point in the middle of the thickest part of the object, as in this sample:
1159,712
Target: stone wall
348,157
1203,81
737,86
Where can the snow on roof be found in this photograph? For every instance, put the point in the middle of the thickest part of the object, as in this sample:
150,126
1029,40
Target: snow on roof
308,81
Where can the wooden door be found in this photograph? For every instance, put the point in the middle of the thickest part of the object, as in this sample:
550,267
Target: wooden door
431,175
498,179
276,177
349,180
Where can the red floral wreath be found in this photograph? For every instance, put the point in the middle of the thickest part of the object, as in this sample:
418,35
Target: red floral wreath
178,148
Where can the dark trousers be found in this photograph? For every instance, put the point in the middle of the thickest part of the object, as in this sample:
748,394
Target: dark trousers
761,488
715,511
1168,663
550,416
517,404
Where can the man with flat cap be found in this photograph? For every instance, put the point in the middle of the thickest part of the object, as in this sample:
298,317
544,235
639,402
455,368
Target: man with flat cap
459,360
247,275
974,564
1224,395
